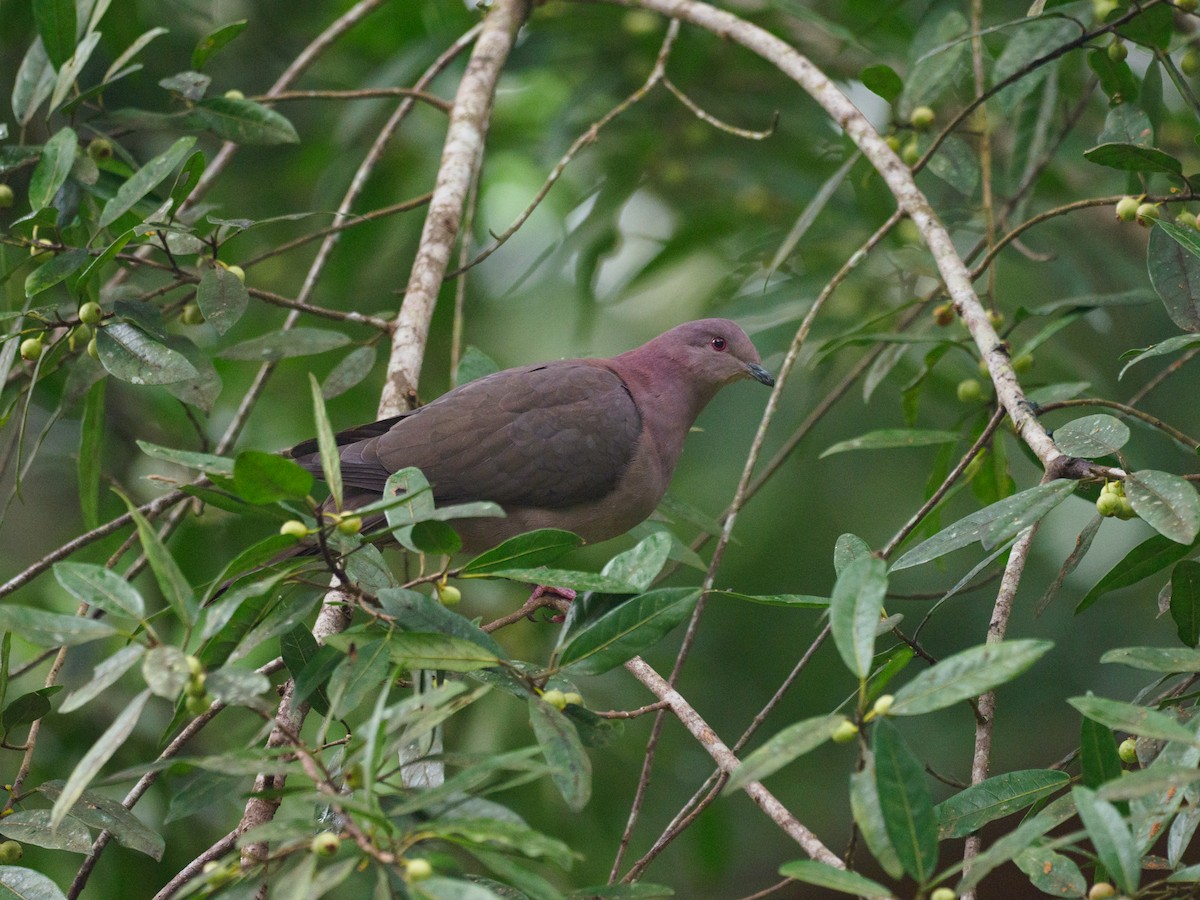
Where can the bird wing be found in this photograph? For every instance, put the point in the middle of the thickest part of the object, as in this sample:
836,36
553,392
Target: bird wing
546,436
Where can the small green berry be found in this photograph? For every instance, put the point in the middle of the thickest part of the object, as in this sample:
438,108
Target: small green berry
234,94
197,704
922,118
417,869
7,198
1023,363
1189,63
294,528
11,852
573,698
969,390
1102,890
943,893
911,153
237,272
1128,750
883,705
93,350
100,149
325,844
350,524
995,317
31,348
893,141
191,315
943,315
1127,208
1147,213
449,595
1102,9
845,732
640,21
1117,51
91,313
1185,219
555,698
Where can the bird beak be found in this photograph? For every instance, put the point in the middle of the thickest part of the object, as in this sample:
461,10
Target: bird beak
758,373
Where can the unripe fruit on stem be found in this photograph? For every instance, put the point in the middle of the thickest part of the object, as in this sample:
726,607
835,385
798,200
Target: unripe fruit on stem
195,685
350,525
1127,208
91,313
943,893
7,198
11,852
969,391
1185,219
31,348
893,141
1189,63
417,869
194,666
325,844
1147,213
995,317
922,118
883,705
911,153
1108,505
191,315
1101,890
449,595
100,149
943,315
197,704
573,698
1125,509
555,698
1128,750
234,94
1102,9
1117,51
93,349
294,527
845,732
237,272
1023,363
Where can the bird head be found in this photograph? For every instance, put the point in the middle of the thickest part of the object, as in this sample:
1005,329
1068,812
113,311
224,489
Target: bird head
715,352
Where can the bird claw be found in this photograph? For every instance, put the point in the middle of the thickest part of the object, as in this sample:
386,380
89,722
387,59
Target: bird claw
548,595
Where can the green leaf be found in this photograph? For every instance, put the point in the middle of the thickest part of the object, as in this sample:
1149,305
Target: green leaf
846,549
1008,846
854,612
261,478
414,611
1127,124
166,671
27,708
796,601
132,355
68,74
239,687
1147,558
358,677
91,448
907,806
353,368
1098,753
1155,659
474,364
1111,838
434,537
422,650
1168,503
1030,41
967,674
98,754
936,51
1185,601
1153,28
570,766
627,630
32,826
55,20
58,269
564,578
100,812
144,180
58,155
105,675
286,344
640,565
222,298
47,629
1051,873
242,121
890,438
999,796
811,871
868,816
1092,436
1139,720
1173,260
205,462
534,548
298,649
955,164
882,81
991,523
214,41
171,582
784,747
503,834
100,587
1133,158
331,462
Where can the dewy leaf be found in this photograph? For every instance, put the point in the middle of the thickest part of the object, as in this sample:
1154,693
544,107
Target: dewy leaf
26,884
166,671
991,523
967,674
570,766
132,355
222,298
1139,720
100,753
1092,436
626,630
205,462
906,803
262,478
639,566
784,747
418,650
242,121
1168,503
144,180
811,871
999,796
55,20
1151,556
105,675
1173,260
474,364
100,587
854,611
1111,838
847,549
1185,601
331,463
105,813
58,155
285,344
890,438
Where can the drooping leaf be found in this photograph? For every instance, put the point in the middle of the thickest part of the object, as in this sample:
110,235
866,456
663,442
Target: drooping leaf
266,478
1151,556
106,674
331,463
996,797
1098,756
570,766
353,368
1168,503
144,180
171,581
967,674
100,587
868,816
58,155
1139,720
58,269
890,438
55,20
1111,838
104,813
535,548
883,81
242,121
132,355
1162,348
1092,436
1133,158
1050,872
811,871
1155,659
906,803
1185,601
222,297
854,612
627,630
784,747
1173,260
214,41
47,629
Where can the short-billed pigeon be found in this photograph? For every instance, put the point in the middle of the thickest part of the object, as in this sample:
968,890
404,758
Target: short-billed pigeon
586,445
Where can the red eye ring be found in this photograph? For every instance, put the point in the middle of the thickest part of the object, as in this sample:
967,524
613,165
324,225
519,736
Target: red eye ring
719,344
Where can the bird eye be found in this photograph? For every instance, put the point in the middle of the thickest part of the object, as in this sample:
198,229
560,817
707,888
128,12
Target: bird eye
719,344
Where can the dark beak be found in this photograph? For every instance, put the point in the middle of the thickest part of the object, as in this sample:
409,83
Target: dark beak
758,373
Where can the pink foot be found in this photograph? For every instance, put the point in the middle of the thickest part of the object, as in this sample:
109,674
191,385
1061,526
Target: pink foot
549,591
